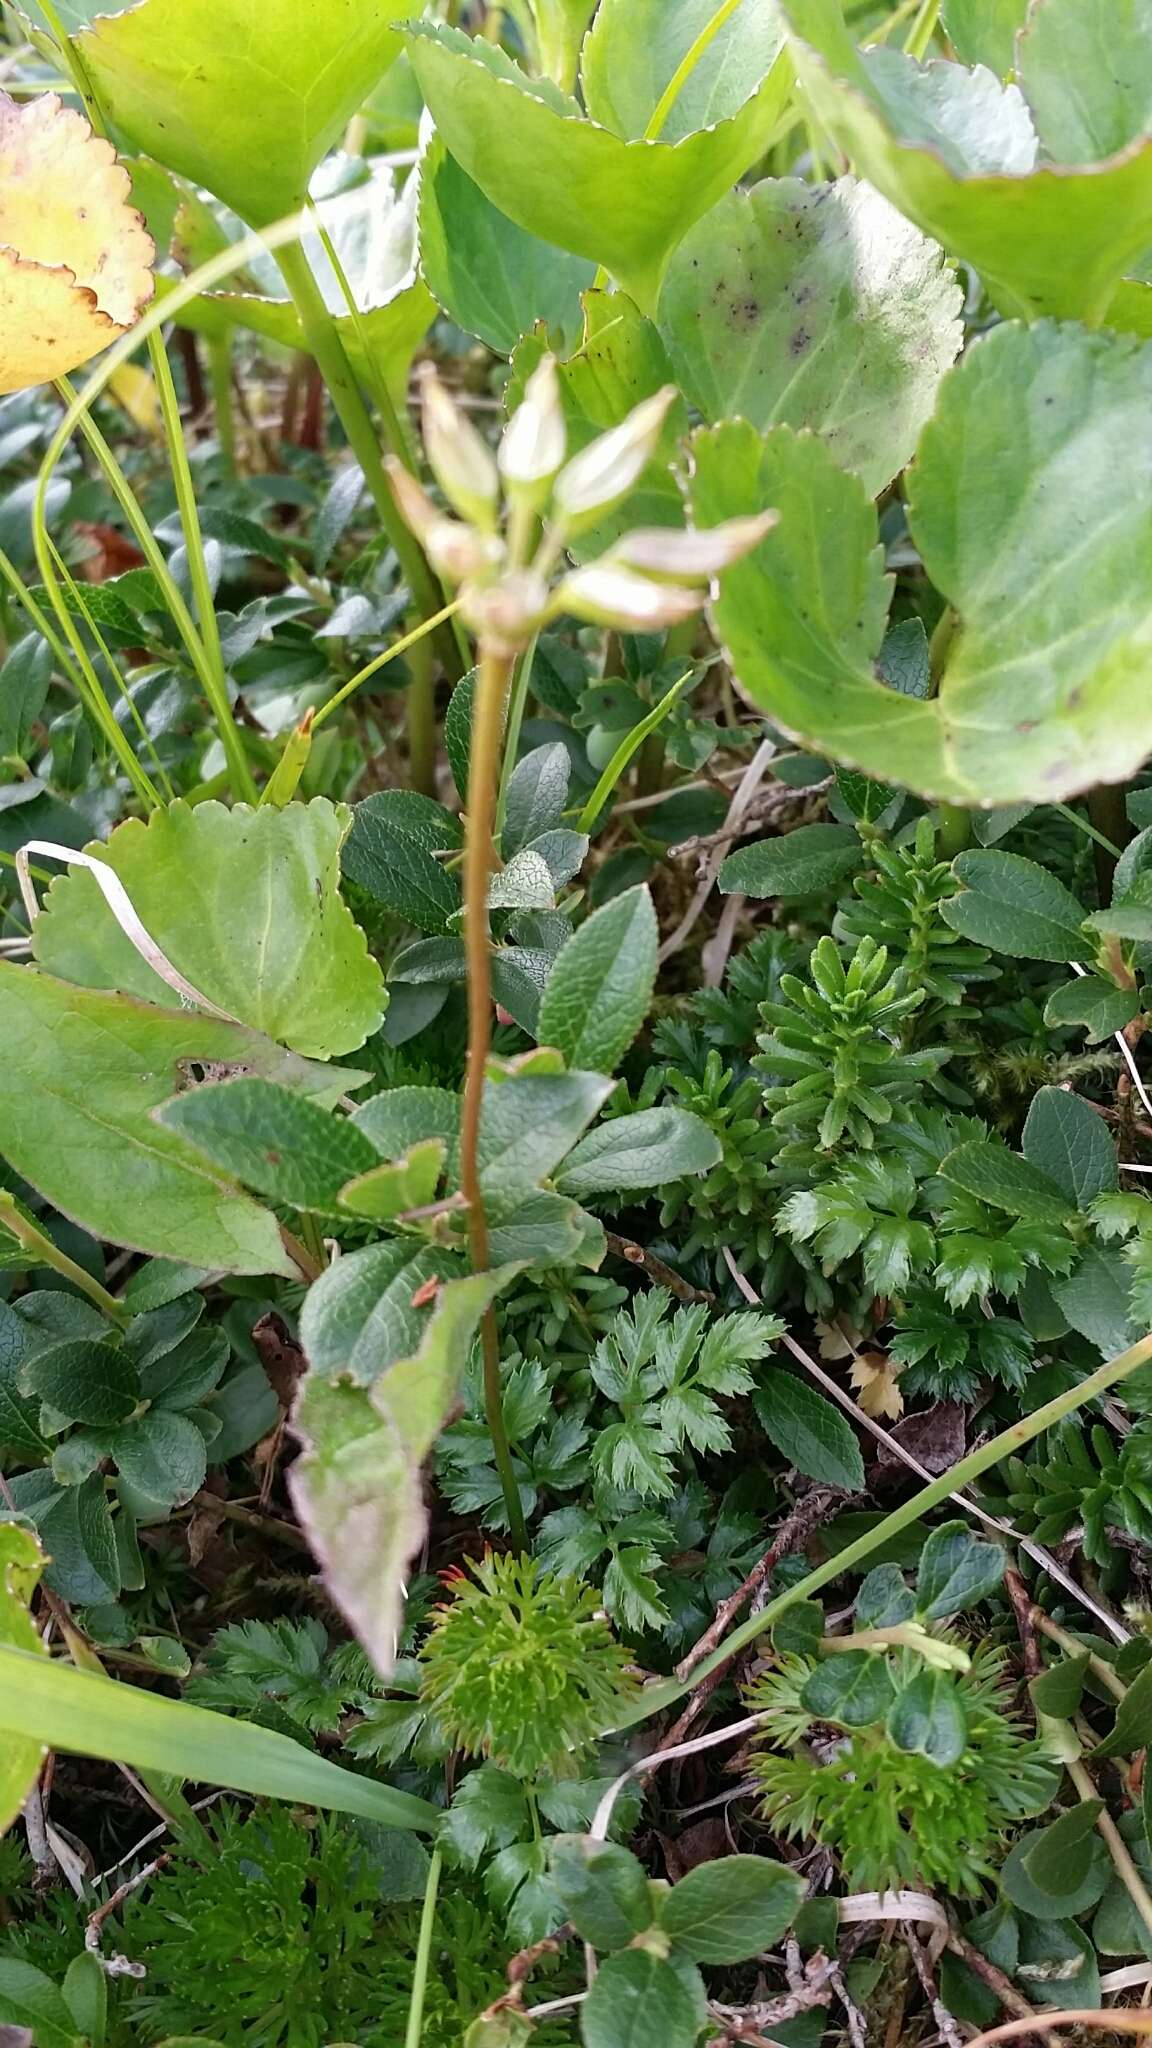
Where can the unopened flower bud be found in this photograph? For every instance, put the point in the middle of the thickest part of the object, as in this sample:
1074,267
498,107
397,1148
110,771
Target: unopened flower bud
691,557
536,437
461,461
611,596
416,508
604,472
505,615
461,553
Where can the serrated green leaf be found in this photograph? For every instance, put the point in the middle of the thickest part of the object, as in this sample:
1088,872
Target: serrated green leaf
564,178
245,903
490,276
814,306
639,1151
246,104
391,851
957,162
276,1142
1016,907
81,1075
809,861
956,1570
635,47
726,1911
808,1431
598,992
1085,67
1071,1145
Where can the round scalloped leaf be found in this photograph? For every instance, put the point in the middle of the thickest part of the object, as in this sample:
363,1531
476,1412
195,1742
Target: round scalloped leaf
243,96
75,256
1086,70
245,903
1048,240
82,1072
493,278
564,178
635,47
816,306
1043,693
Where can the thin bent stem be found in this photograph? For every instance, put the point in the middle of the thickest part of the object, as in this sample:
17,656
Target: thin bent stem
46,1253
958,1476
629,745
493,680
243,783
414,2032
380,661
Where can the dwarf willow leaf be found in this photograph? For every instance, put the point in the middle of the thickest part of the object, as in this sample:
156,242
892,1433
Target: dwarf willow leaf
492,277
817,306
81,1074
357,1488
245,903
563,177
725,1911
1044,240
1085,67
643,2000
1066,1139
956,1570
603,1889
1015,906
598,992
927,1717
812,859
853,1688
278,1143
244,100
640,1151
808,1431
1039,696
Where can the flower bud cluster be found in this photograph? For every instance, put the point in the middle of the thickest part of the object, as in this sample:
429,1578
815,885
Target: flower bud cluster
514,513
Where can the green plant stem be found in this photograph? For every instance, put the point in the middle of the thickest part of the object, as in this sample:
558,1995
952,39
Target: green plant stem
628,746
220,378
327,349
420,711
1117,1848
922,30
955,830
380,661
48,1254
953,1481
414,2031
243,781
492,683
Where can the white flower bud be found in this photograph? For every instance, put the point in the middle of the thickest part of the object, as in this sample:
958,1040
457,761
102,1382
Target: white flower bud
611,596
461,553
461,461
416,508
505,615
536,437
691,557
609,467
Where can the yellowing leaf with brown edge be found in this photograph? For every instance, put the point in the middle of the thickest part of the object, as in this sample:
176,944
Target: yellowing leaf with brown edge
877,1385
21,1563
75,257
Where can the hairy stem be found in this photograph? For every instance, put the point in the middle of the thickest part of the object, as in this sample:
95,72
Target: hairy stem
492,682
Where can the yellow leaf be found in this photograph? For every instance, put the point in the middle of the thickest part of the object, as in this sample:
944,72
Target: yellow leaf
876,1381
75,257
134,389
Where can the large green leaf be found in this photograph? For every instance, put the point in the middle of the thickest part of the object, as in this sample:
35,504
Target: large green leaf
563,177
1042,693
635,47
492,277
66,1709
245,99
357,1488
1086,69
82,1072
272,1139
817,306
245,903
984,31
21,1563
1044,240
599,990
366,1313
